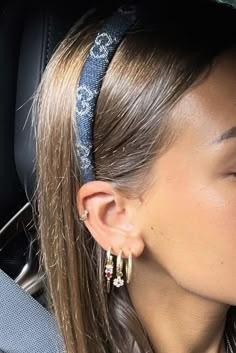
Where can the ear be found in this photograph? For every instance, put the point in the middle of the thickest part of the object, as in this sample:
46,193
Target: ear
110,218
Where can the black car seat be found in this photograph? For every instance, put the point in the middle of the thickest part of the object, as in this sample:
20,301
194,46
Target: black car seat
12,196
29,33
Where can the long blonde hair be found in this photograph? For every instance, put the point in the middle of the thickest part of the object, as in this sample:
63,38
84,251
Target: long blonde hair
152,68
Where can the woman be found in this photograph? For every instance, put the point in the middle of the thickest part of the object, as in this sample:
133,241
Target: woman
136,174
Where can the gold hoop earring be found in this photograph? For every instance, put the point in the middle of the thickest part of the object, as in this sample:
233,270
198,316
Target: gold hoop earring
84,215
118,281
128,268
109,268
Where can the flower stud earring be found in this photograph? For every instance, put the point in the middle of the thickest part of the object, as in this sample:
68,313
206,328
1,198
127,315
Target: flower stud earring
84,215
118,281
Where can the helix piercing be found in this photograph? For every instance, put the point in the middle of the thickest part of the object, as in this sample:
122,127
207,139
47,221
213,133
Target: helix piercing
84,215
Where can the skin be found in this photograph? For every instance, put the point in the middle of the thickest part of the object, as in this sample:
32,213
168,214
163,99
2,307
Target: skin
182,232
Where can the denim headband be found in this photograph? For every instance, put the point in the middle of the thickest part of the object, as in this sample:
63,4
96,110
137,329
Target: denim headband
93,71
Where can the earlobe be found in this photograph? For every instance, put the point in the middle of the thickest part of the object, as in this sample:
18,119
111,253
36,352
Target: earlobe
108,218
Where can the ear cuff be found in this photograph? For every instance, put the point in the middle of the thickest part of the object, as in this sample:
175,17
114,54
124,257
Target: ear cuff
84,215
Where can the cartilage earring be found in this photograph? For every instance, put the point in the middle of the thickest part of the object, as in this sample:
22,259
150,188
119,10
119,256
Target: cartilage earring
84,215
128,268
109,269
118,281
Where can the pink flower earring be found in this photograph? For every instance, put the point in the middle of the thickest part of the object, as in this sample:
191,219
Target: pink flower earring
118,281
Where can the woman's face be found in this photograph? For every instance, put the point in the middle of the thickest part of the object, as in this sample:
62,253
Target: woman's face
189,214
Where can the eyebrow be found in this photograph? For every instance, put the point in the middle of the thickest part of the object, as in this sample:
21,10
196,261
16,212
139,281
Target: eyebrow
231,132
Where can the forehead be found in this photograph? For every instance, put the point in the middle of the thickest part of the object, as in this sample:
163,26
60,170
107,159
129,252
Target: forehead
209,108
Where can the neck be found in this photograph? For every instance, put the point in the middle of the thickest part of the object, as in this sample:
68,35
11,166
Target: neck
175,319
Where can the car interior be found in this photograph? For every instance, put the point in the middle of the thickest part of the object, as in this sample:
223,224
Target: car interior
29,34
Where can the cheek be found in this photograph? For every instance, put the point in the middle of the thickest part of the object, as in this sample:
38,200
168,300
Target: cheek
194,237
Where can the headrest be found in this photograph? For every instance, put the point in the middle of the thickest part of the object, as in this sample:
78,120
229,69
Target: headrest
45,26
11,26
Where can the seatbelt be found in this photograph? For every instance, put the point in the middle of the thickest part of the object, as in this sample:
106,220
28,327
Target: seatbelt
25,325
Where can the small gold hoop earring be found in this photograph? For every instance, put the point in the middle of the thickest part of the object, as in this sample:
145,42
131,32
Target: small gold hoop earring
128,268
109,268
84,215
118,281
